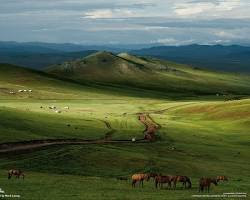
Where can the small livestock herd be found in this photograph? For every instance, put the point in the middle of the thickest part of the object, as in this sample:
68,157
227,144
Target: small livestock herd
159,180
54,108
21,91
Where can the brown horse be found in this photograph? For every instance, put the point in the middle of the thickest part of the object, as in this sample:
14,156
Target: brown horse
183,179
160,180
221,178
205,183
152,175
15,172
139,178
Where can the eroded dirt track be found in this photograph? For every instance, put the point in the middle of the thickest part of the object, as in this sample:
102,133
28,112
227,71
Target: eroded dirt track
151,126
26,145
149,135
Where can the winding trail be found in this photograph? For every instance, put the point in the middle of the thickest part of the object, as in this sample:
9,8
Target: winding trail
33,144
151,126
109,134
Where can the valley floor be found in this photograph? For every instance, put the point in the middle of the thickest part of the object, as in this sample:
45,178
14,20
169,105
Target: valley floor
196,138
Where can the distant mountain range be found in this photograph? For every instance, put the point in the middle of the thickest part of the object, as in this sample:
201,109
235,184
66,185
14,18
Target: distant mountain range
217,57
39,55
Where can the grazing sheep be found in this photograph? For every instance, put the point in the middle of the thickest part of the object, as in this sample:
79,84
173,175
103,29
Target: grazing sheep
30,90
66,107
133,139
52,107
20,90
58,111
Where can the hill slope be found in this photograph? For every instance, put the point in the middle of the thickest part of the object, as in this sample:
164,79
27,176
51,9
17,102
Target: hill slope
148,73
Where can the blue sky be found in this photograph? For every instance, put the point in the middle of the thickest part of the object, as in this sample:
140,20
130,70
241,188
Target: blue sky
168,22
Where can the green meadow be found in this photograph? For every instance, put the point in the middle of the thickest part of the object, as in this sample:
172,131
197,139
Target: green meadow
200,134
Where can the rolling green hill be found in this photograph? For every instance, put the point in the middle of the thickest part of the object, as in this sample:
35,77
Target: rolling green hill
103,95
151,74
48,86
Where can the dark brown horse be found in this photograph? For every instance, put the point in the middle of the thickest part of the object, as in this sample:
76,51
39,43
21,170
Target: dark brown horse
15,172
160,180
152,175
221,178
139,178
205,183
183,179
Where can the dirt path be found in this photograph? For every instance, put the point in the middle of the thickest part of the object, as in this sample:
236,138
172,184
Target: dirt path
149,135
151,126
109,134
28,145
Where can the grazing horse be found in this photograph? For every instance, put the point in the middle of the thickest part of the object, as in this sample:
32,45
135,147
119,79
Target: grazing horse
161,180
152,175
139,178
205,183
16,173
183,179
221,178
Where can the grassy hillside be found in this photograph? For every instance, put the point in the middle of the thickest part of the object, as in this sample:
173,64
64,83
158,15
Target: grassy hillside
151,74
47,86
205,141
199,135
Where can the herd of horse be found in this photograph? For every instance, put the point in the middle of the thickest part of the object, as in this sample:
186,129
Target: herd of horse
160,180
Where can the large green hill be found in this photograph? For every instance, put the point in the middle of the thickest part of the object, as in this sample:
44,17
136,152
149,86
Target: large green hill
149,73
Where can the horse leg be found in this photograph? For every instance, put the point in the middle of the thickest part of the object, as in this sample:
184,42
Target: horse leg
133,183
169,185
142,183
201,188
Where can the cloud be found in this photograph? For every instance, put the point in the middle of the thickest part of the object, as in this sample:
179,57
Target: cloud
168,22
172,41
109,13
199,23
212,8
